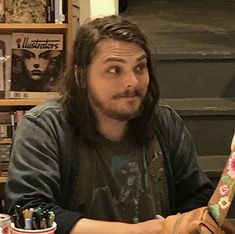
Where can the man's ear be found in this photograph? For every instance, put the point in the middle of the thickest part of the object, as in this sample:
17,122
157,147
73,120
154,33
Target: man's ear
79,77
76,74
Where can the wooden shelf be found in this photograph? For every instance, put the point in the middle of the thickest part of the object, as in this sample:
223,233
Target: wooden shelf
3,179
21,26
5,141
20,102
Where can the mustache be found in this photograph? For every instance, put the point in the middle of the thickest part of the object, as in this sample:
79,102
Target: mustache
129,93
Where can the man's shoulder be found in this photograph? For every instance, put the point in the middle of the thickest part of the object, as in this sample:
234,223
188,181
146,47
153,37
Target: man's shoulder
163,111
166,118
47,108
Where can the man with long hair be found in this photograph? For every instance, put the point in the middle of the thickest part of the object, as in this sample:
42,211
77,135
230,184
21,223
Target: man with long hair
106,157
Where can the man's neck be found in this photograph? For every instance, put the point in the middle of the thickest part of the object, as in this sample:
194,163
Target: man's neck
111,129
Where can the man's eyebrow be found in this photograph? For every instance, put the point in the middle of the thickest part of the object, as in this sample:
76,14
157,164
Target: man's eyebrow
118,59
142,57
114,59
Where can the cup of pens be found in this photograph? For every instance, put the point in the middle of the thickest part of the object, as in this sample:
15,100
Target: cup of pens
32,221
50,230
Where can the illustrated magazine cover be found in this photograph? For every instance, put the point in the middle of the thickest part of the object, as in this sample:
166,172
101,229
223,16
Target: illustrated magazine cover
37,61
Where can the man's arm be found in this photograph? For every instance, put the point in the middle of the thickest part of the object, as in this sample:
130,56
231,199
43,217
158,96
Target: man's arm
88,226
183,161
35,171
186,169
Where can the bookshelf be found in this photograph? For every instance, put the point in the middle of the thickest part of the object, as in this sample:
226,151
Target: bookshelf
9,104
35,26
66,29
19,102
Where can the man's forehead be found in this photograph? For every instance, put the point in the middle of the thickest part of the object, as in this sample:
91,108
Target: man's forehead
108,49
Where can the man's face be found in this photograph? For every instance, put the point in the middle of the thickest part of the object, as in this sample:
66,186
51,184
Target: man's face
36,62
118,80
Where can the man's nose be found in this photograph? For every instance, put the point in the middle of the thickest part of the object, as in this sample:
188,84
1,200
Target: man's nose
131,79
36,65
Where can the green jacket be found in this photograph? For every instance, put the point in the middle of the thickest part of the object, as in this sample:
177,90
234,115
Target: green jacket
44,164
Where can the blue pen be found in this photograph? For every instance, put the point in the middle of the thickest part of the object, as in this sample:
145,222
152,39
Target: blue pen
27,220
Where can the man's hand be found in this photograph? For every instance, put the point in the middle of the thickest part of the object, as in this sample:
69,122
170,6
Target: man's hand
88,226
150,227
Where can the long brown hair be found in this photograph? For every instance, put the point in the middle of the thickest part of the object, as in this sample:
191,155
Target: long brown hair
74,86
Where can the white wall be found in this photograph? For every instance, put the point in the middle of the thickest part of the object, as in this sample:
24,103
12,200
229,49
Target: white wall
90,9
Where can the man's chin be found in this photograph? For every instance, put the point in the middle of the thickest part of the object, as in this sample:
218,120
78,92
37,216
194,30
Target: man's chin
124,116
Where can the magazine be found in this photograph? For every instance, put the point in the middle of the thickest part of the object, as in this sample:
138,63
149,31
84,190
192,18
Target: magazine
37,62
25,11
5,65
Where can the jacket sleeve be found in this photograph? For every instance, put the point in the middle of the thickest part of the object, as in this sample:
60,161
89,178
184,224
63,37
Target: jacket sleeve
192,188
34,172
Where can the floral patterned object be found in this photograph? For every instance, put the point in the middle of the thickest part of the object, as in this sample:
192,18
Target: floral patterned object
231,167
223,195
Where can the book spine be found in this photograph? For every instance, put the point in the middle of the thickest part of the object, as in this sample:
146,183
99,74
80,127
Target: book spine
64,10
48,11
52,11
2,67
18,116
5,117
59,15
5,63
5,131
4,158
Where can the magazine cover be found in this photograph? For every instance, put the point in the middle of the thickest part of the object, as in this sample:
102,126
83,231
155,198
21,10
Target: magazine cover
2,11
37,61
25,11
5,64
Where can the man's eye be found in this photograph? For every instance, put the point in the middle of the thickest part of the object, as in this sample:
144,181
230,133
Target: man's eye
141,67
115,70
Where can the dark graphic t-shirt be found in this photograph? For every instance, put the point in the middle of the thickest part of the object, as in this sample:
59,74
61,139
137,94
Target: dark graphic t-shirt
122,190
